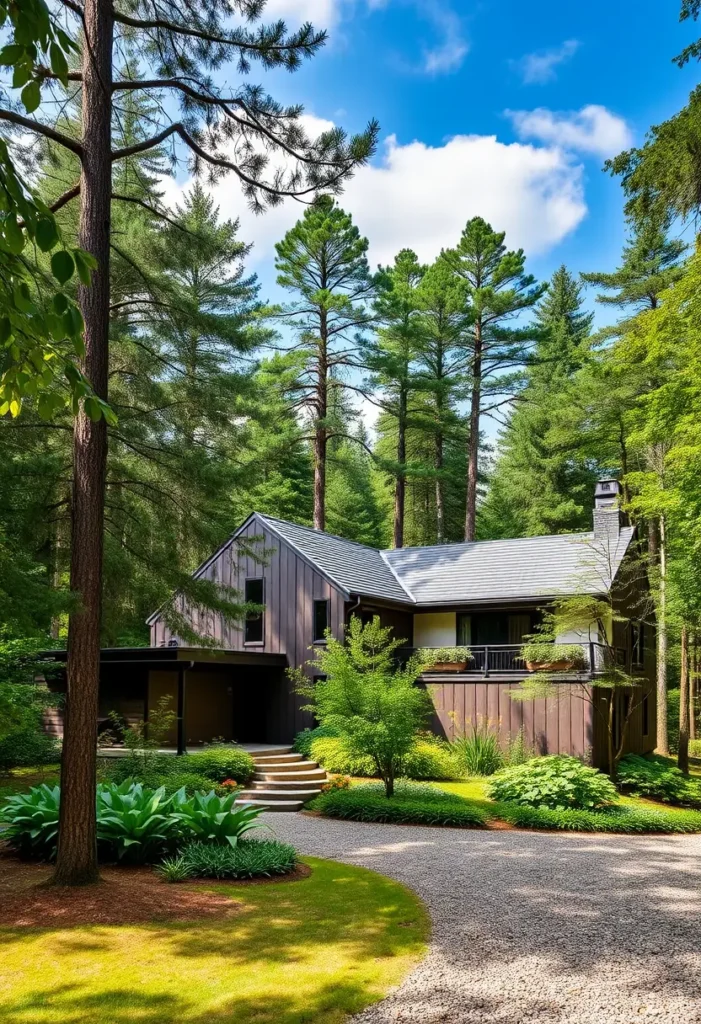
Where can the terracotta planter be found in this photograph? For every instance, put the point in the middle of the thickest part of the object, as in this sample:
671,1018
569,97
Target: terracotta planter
447,666
549,666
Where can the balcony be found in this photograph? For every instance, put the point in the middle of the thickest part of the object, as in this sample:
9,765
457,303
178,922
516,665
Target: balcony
505,660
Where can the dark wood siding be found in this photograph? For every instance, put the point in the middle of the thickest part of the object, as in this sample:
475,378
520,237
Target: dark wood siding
562,726
291,587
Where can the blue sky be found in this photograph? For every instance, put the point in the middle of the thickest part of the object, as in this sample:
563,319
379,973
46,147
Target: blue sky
502,109
499,108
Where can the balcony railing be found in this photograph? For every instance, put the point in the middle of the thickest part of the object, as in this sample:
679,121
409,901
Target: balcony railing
506,659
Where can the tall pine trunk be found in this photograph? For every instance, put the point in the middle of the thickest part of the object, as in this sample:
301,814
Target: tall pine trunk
438,460
474,439
320,428
662,731
683,753
400,480
76,863
693,671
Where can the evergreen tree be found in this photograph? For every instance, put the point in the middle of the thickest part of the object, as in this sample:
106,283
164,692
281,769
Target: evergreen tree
498,291
538,486
352,507
323,259
390,357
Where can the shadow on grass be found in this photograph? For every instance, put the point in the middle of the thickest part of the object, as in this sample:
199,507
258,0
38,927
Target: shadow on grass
307,951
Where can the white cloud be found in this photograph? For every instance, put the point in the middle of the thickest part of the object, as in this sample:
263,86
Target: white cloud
539,67
452,49
593,129
321,13
420,196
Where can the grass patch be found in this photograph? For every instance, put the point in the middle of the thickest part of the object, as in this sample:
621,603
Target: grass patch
250,858
626,818
411,805
297,952
19,780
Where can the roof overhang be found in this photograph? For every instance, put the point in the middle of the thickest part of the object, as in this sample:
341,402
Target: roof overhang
172,657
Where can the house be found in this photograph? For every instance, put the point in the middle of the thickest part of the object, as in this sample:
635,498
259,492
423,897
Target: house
483,595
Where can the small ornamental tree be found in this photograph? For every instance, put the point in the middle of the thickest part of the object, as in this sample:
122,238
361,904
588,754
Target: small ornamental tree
364,696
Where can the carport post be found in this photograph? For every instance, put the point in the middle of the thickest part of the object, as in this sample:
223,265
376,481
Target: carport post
182,669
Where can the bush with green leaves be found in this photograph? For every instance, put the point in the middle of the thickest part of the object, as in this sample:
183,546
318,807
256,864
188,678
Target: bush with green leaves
556,782
302,743
411,804
251,858
219,763
427,758
360,691
214,819
135,823
617,818
478,752
658,778
32,822
431,758
27,747
192,783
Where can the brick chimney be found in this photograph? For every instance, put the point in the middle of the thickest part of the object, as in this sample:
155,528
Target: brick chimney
607,514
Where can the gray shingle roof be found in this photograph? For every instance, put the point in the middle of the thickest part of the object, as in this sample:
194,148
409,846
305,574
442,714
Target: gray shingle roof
470,573
357,568
499,570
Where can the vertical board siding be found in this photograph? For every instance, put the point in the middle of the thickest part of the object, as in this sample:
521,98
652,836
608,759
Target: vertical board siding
561,726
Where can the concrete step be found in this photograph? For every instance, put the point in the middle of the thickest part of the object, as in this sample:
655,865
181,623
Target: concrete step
278,758
279,795
285,766
277,805
312,775
282,784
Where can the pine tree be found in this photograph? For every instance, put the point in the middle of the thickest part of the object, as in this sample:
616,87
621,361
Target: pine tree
537,486
390,358
498,290
352,507
323,259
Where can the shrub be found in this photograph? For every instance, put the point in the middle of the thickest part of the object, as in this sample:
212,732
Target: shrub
444,655
251,858
219,763
556,782
27,747
192,783
658,778
541,651
694,748
135,823
302,743
145,767
410,805
431,758
478,753
214,819
335,783
618,818
334,754
519,750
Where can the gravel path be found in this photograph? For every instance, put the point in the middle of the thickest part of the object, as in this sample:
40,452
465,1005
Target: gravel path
535,927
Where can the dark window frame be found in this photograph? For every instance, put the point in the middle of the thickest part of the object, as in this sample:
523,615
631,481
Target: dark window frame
646,715
316,638
251,619
637,644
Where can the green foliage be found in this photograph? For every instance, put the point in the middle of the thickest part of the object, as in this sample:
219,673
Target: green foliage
214,819
24,747
255,858
620,818
337,756
431,758
478,753
32,822
555,782
219,763
135,823
546,651
427,758
410,805
374,705
444,655
302,743
658,778
191,782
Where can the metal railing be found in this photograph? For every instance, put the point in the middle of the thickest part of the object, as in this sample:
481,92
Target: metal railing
498,659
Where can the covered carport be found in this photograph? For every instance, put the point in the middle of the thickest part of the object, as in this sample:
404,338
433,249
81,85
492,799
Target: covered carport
226,695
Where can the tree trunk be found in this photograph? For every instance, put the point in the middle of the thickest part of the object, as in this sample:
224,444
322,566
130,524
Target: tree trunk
662,732
683,752
389,786
76,863
474,439
400,481
440,503
321,429
692,690
610,726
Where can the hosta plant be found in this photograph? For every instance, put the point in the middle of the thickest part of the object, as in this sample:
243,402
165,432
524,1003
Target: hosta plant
214,819
135,822
251,858
32,822
556,782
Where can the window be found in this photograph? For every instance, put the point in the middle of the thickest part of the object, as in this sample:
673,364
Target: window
646,716
321,620
253,594
637,644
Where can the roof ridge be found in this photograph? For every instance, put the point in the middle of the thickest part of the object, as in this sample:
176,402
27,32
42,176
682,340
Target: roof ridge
396,576
319,533
493,540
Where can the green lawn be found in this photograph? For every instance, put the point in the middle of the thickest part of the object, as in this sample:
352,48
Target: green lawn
18,780
303,951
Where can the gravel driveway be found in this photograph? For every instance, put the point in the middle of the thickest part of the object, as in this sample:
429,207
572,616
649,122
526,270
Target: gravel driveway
535,927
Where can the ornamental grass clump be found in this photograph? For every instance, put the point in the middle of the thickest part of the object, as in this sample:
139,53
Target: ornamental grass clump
251,858
556,782
479,752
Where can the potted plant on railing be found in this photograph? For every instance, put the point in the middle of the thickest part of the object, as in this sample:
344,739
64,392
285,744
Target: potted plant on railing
547,656
445,659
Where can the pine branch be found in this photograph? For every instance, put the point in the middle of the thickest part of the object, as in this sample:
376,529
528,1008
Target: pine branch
42,129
